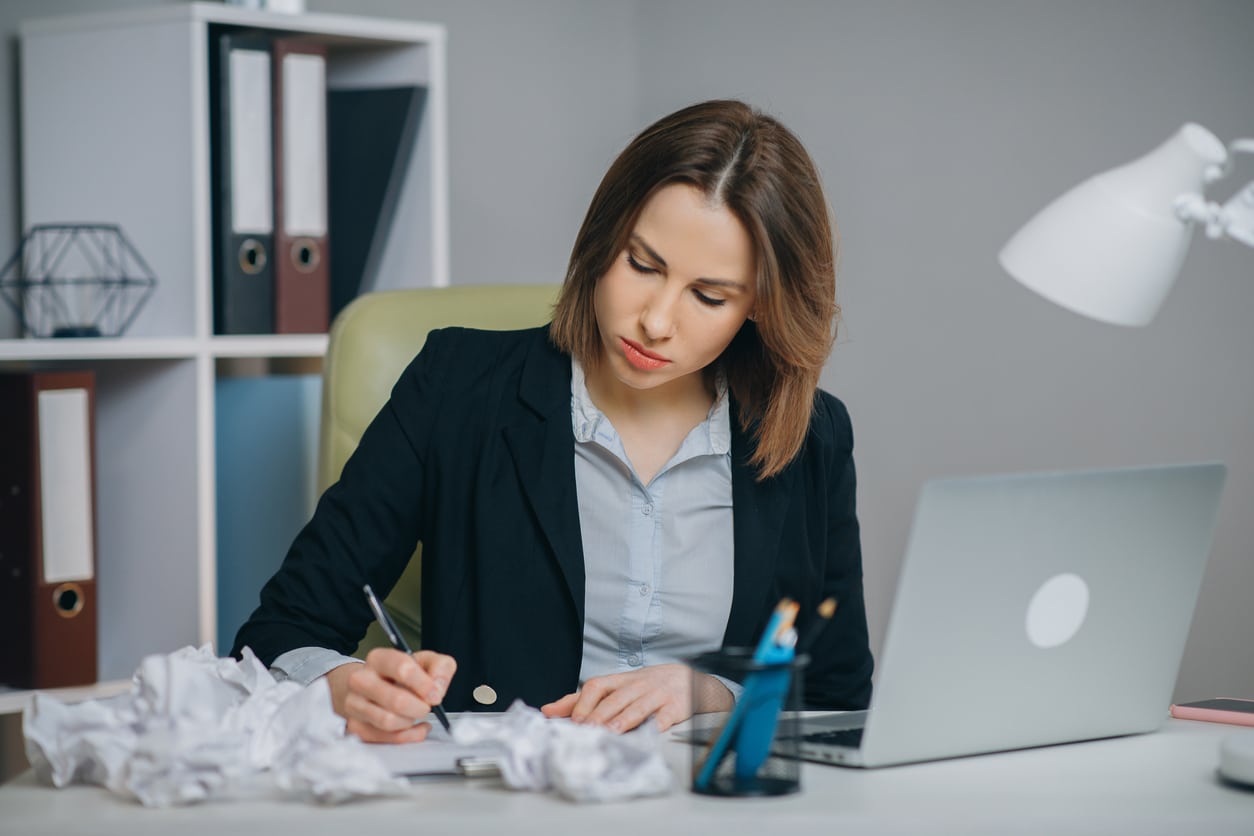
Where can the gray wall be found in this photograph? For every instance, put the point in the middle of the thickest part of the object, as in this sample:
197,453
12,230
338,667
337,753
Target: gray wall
939,127
542,95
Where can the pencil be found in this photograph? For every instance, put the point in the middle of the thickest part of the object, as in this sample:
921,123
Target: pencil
398,641
826,610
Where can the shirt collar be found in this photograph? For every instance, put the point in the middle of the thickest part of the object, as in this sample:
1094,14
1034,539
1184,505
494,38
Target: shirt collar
713,434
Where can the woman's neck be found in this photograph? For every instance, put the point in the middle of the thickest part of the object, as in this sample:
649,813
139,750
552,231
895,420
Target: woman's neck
652,423
689,396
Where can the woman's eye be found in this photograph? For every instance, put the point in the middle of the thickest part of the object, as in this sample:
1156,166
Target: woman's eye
709,300
637,266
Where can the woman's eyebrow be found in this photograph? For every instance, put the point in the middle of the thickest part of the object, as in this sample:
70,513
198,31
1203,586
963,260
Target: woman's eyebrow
649,251
661,262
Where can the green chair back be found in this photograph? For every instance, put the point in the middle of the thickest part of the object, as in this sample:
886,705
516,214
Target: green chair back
371,342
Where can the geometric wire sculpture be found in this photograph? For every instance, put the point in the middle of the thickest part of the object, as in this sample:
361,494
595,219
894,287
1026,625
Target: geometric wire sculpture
76,280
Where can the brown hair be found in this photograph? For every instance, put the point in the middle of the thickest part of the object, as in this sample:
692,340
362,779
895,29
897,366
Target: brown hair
751,164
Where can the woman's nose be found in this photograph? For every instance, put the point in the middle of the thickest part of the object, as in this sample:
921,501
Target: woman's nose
657,318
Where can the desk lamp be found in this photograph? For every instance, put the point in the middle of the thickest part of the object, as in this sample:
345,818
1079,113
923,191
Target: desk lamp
1111,247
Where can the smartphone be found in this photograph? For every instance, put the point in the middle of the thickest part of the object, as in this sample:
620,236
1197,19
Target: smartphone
1225,710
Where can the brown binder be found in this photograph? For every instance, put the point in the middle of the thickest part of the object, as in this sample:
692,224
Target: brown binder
302,287
47,530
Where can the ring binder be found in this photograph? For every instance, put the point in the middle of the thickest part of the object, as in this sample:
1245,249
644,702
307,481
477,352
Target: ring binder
243,179
301,274
47,530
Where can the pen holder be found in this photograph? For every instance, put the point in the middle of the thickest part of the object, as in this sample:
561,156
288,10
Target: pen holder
753,750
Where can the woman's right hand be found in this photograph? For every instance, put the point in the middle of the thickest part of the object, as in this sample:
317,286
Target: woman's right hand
384,699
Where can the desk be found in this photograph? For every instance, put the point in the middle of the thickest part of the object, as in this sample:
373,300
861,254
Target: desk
14,700
1147,784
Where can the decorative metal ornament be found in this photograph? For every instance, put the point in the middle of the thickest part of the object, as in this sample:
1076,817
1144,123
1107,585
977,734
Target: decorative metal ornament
76,280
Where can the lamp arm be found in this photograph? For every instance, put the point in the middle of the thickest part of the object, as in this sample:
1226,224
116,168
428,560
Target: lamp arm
1234,218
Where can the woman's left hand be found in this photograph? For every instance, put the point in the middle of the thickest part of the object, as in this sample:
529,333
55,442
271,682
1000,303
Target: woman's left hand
622,701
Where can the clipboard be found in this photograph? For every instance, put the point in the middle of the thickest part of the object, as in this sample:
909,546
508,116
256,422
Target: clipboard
440,757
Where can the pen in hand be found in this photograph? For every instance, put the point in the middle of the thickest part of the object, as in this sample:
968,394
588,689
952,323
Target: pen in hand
398,641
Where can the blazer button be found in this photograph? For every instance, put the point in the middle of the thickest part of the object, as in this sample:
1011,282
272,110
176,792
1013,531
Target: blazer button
484,695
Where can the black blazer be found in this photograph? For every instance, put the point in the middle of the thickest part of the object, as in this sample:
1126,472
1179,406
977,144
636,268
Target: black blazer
473,455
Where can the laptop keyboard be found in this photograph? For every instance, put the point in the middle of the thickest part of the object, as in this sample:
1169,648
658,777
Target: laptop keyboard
838,737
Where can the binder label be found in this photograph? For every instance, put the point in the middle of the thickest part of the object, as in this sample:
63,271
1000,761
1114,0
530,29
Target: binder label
305,154
251,200
65,484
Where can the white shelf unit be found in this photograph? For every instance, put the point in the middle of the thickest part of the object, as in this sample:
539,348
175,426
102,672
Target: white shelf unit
116,127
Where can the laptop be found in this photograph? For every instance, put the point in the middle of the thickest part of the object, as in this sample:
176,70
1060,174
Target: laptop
1031,610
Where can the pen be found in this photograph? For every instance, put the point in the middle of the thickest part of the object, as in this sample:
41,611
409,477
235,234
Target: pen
398,641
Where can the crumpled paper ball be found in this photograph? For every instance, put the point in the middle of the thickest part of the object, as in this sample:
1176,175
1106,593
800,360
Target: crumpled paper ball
195,727
580,762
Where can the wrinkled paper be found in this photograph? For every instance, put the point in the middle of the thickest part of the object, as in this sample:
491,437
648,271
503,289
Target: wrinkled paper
195,727
581,762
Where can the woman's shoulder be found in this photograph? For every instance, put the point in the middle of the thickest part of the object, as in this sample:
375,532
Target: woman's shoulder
830,421
457,358
472,342
458,349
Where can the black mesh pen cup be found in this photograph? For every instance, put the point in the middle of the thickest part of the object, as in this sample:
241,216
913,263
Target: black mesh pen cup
753,750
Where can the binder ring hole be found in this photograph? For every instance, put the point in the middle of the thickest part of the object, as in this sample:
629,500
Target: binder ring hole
252,256
68,600
306,255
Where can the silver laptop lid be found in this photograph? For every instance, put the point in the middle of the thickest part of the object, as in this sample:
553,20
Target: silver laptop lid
1041,608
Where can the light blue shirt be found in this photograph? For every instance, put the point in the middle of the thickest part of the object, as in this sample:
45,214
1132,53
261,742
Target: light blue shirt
658,558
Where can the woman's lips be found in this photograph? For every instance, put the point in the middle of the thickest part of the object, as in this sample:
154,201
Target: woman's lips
642,358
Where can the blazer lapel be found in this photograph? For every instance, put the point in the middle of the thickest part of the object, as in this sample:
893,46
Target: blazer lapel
542,443
758,519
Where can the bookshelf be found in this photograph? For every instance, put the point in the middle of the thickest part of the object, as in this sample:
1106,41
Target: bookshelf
115,126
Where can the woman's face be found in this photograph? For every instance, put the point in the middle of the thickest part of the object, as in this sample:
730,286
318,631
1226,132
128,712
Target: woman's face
674,298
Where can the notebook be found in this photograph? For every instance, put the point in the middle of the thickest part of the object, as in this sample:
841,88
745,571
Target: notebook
1034,609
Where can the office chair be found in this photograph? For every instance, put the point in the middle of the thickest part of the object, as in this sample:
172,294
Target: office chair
371,342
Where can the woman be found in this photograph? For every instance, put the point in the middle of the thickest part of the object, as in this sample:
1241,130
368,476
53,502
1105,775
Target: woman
599,499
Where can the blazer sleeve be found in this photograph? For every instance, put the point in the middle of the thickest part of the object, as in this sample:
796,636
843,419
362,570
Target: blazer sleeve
363,530
839,675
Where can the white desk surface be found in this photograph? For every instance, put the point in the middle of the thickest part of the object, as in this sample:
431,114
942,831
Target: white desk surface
1163,782
14,700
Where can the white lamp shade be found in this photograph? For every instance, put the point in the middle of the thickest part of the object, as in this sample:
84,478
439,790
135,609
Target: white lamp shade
1111,247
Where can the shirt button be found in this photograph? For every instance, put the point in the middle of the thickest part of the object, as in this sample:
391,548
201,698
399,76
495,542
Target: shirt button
647,510
633,660
644,589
